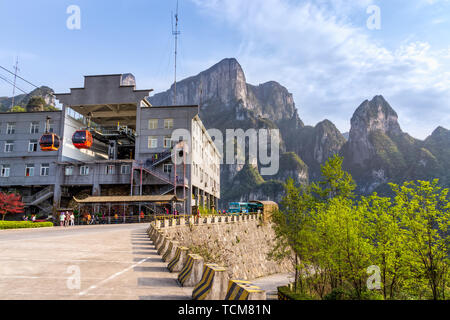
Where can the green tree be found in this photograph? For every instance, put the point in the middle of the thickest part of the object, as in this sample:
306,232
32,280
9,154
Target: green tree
342,248
425,217
335,181
385,233
51,108
296,227
291,225
35,104
17,109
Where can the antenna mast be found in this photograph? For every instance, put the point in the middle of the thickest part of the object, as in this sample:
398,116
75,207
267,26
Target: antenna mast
15,78
176,33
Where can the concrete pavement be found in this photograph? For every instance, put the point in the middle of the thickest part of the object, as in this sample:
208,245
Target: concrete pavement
113,263
271,283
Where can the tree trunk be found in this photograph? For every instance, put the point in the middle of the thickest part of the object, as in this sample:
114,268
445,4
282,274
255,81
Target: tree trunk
296,273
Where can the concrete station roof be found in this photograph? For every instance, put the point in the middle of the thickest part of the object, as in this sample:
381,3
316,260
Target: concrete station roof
129,199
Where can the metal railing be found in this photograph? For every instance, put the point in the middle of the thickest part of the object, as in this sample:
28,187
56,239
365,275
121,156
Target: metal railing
161,158
167,190
36,196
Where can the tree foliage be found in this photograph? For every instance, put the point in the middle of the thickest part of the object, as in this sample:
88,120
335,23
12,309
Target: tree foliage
10,204
17,109
36,103
333,237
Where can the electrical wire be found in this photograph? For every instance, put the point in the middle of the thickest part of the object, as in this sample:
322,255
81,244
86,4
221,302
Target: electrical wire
19,77
11,83
15,74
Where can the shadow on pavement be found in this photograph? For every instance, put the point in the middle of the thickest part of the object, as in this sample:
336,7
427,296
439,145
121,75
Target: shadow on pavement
150,269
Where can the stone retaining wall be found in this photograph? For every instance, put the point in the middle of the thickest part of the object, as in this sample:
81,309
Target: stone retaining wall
241,244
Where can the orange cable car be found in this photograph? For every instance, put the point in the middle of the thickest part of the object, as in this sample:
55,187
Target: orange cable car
49,141
82,139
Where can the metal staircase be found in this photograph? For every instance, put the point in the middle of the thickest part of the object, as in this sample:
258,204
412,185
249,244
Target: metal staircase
164,157
158,174
40,200
45,207
39,197
167,190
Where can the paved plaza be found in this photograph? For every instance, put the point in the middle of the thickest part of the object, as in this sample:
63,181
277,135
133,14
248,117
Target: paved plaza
114,263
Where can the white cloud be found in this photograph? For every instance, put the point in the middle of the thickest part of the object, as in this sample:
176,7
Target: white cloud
331,65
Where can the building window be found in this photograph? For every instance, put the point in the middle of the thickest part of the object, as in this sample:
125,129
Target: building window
29,170
6,170
68,171
167,142
110,169
11,128
45,170
34,128
168,168
84,170
125,169
32,146
168,123
152,142
9,146
153,124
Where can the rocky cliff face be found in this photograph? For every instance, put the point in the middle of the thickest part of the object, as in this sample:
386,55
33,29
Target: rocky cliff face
370,117
23,99
378,151
228,102
439,146
316,144
225,84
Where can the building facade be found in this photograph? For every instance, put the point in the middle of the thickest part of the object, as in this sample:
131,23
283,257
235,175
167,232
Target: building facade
136,151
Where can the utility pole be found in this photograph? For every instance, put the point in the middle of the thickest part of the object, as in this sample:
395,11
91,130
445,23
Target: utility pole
15,78
176,33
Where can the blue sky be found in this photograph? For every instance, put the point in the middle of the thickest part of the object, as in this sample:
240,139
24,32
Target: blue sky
322,50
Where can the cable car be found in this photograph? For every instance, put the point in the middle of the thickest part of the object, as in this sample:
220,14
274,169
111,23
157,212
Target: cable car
49,142
82,139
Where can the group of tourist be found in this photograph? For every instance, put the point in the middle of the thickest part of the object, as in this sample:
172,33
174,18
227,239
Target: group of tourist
101,218
67,219
32,219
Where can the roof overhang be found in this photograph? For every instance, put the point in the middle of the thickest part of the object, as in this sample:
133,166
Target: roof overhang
130,199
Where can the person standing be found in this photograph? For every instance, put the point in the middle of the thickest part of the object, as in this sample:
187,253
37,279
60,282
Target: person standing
62,219
72,220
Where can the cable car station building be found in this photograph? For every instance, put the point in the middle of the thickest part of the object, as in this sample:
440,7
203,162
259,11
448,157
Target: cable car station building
113,143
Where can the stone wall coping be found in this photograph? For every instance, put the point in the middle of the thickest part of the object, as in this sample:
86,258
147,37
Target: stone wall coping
177,221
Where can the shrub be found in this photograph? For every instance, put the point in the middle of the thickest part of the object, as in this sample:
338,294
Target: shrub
23,225
290,295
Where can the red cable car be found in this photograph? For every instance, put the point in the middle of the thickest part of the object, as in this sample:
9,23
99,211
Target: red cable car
49,142
82,139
